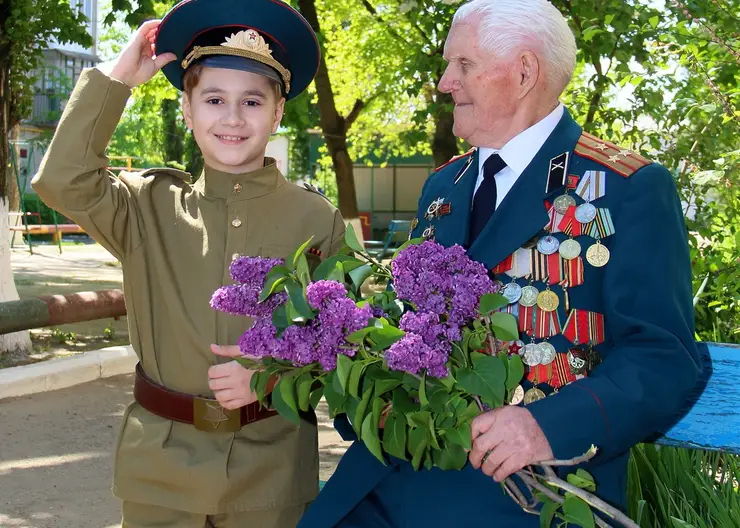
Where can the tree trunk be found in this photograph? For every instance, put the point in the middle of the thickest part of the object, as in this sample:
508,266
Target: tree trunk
333,125
444,143
14,193
174,146
16,343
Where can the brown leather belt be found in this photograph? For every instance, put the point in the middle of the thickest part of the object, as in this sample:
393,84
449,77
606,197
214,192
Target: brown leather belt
205,414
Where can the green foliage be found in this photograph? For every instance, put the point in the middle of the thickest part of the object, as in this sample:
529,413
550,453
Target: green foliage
674,487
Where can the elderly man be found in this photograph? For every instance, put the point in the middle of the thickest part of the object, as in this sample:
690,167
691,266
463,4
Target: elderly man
589,242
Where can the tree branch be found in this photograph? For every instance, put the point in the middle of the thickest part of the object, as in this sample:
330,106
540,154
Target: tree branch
353,114
370,9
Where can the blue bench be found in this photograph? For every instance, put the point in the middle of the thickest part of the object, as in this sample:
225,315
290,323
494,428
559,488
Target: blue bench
712,417
398,232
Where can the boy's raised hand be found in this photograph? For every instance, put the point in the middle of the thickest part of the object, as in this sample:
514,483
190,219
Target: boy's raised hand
137,64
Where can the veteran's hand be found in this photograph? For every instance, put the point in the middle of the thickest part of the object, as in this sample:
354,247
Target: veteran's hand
511,437
230,381
137,63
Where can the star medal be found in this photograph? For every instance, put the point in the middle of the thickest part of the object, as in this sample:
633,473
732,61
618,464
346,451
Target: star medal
428,233
585,213
577,361
548,245
533,355
516,348
512,291
562,203
598,255
570,249
533,395
548,300
529,296
517,396
433,209
548,353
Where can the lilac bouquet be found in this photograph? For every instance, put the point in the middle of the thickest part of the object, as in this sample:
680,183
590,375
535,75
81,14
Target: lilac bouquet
417,348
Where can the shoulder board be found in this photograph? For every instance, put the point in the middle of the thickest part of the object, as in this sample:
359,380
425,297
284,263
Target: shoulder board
181,175
312,188
454,159
621,161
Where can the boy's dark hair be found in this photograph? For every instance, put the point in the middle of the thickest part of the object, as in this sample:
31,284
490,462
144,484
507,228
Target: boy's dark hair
192,77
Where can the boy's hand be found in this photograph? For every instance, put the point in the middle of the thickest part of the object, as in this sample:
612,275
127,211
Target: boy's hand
137,64
230,381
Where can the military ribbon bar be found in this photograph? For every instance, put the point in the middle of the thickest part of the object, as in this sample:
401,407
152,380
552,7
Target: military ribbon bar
584,327
547,324
602,226
592,186
573,181
504,266
574,272
521,263
526,319
555,268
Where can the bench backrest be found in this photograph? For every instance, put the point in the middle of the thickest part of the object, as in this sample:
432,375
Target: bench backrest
712,420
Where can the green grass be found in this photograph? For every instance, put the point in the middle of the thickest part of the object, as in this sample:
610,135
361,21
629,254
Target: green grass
683,488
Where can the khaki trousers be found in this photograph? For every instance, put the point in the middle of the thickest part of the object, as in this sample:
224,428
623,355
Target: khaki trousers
137,515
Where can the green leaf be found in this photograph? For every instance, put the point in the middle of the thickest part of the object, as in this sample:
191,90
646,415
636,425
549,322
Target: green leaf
515,372
486,379
418,443
359,336
470,412
582,479
292,260
350,238
358,367
591,32
547,513
360,275
298,299
274,279
385,385
303,383
423,390
654,21
323,270
335,398
678,523
362,409
394,436
284,399
344,367
280,318
419,418
385,337
304,274
337,274
316,397
505,326
577,511
402,403
491,302
412,242
460,436
370,438
450,457
607,20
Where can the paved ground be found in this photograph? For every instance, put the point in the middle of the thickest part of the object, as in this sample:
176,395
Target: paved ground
55,447
56,455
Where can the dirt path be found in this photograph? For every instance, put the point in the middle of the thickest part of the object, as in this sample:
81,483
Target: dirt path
56,455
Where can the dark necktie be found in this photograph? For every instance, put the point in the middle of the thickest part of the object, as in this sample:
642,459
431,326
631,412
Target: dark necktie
484,202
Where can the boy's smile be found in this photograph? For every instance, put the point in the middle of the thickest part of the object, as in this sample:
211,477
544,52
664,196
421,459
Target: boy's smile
232,114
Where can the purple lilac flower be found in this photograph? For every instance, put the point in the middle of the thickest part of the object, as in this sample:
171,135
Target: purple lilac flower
243,299
425,324
411,354
324,290
252,270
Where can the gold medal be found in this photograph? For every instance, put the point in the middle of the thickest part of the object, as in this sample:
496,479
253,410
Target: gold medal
598,255
532,395
563,203
548,301
517,396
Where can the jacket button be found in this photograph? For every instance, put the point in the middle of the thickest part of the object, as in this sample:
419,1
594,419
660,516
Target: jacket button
237,188
236,222
235,256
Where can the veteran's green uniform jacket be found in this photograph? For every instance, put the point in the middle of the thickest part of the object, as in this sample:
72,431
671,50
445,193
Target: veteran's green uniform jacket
175,241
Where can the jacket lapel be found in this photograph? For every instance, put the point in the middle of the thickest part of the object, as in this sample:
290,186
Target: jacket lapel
522,213
453,229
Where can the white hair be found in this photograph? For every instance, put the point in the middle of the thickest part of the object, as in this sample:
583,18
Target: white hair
506,25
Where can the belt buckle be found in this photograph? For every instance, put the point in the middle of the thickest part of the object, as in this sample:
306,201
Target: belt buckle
211,417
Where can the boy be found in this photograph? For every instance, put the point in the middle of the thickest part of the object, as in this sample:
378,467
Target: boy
195,450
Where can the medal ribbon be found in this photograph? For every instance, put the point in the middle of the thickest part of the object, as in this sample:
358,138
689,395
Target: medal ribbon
583,326
540,374
521,263
574,272
526,319
562,374
602,226
547,324
539,266
555,268
569,225
504,265
572,181
592,185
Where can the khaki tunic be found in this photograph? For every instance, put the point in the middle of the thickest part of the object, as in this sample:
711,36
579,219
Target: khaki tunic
175,241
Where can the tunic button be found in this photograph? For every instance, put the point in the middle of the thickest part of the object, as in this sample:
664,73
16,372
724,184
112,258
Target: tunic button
236,222
237,188
235,256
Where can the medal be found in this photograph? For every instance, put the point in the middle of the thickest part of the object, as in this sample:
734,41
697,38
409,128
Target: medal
601,226
548,353
570,249
533,395
434,209
428,233
562,203
529,296
512,292
532,355
576,361
548,245
516,348
548,301
585,213
517,396
598,255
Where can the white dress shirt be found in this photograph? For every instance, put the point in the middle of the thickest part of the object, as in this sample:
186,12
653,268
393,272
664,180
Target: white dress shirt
518,153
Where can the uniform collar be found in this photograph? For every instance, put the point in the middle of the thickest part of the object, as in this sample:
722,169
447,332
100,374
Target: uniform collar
520,150
242,186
